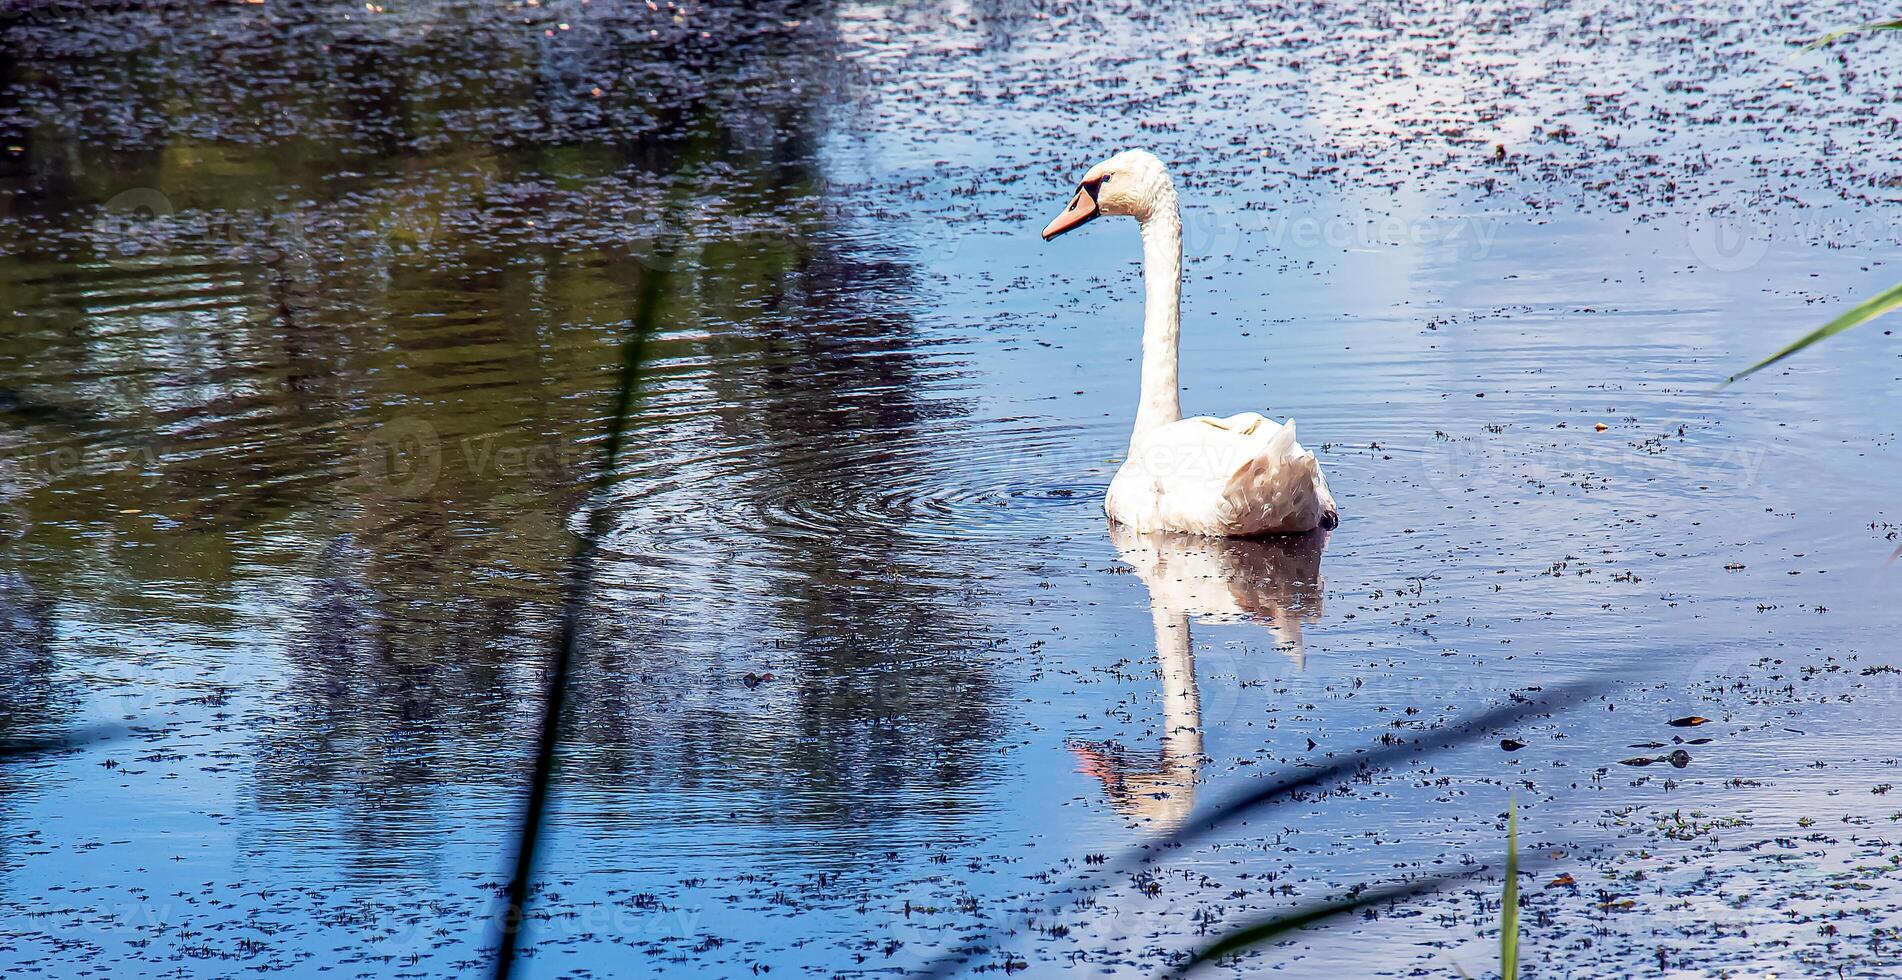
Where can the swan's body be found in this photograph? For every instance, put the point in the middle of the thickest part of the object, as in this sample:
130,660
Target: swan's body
1238,476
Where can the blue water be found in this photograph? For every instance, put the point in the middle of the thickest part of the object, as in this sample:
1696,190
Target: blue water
294,452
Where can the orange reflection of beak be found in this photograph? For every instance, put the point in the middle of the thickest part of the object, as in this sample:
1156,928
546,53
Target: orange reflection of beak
1082,208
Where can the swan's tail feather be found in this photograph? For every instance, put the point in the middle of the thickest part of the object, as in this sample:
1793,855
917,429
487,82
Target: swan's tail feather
1282,444
1278,489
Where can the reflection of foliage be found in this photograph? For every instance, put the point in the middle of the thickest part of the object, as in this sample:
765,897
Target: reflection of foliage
369,231
297,78
30,701
26,637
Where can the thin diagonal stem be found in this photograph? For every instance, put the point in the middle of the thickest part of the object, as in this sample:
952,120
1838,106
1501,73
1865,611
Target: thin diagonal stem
1275,792
577,584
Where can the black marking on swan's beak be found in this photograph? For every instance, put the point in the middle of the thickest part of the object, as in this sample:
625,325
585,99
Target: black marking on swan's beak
1082,208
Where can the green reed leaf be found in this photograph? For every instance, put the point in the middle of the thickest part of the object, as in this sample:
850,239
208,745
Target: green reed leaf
1509,902
1861,313
1842,32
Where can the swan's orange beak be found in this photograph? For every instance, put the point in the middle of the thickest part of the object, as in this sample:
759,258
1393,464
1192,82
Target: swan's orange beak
1082,208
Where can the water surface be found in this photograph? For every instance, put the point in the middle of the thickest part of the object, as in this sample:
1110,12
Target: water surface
313,314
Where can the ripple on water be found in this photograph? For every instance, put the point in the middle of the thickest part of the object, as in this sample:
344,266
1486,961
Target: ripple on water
912,496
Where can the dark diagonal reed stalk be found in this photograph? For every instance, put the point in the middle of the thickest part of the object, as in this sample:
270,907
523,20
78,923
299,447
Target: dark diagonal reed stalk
1250,936
1278,791
24,746
578,581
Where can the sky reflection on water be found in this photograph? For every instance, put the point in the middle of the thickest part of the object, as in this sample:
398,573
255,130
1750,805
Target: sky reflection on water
312,322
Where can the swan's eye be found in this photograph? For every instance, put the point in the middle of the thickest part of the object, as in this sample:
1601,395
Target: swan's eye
1106,178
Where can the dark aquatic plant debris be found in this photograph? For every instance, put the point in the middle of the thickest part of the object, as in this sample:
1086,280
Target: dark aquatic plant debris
1240,809
297,450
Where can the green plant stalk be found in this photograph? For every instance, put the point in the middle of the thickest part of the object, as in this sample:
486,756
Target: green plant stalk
1509,902
1841,32
1857,315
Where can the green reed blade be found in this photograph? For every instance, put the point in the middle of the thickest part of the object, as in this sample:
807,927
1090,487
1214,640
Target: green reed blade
1509,903
1841,32
1861,313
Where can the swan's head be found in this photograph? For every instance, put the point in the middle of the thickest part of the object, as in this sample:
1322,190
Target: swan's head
1132,182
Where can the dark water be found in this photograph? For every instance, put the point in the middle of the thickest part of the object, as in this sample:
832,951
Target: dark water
314,309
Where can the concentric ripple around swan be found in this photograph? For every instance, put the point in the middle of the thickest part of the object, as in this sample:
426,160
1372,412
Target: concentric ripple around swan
910,495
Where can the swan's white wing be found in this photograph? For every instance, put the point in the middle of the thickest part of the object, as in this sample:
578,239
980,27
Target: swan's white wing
1239,475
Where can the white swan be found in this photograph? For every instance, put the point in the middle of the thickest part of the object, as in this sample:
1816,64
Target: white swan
1238,476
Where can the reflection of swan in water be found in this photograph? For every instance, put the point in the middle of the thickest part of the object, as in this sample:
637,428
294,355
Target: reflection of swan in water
1276,581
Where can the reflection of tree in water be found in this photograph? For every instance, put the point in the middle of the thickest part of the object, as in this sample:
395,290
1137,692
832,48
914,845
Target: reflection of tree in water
814,397
301,78
395,690
26,639
435,229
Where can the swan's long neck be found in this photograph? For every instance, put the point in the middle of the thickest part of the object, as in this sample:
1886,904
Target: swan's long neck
1162,315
